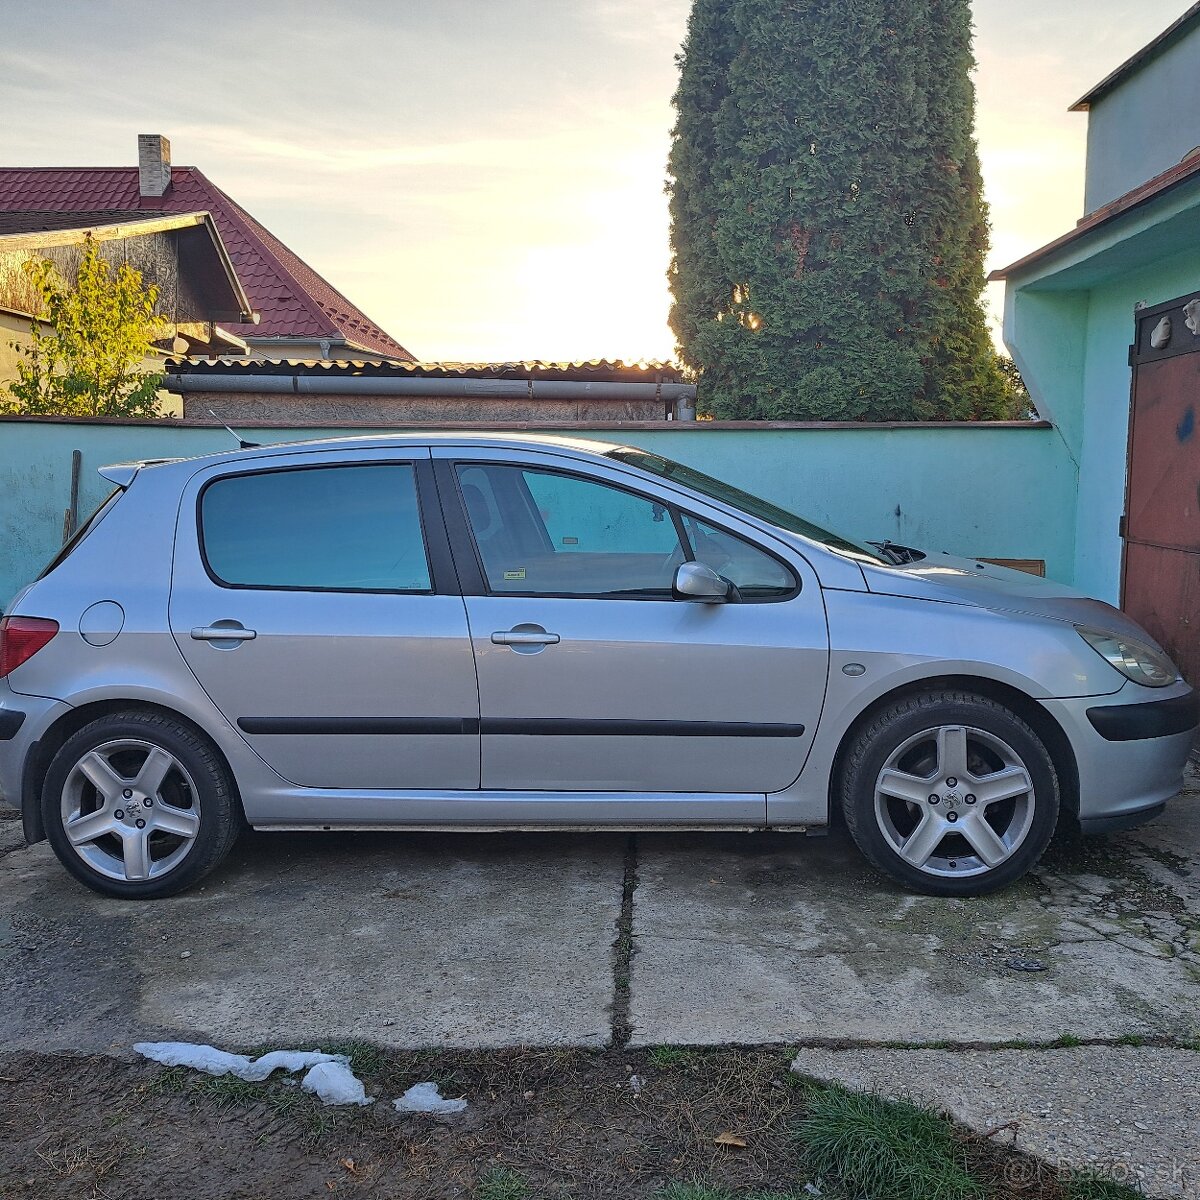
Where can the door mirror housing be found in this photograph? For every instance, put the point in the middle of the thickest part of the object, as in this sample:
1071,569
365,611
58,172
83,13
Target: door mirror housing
695,581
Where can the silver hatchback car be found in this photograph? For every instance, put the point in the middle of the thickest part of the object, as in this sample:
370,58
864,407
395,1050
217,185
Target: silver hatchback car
486,632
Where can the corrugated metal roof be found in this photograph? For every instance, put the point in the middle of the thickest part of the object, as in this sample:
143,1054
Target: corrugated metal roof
291,298
594,369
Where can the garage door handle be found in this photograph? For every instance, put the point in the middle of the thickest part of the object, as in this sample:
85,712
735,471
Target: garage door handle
223,633
525,637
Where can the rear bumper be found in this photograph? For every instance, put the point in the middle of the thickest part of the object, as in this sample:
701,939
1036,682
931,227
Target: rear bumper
23,721
11,720
1130,750
1121,821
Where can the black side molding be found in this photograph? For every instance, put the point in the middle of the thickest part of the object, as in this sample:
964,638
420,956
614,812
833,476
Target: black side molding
573,727
1156,718
351,725
10,721
519,726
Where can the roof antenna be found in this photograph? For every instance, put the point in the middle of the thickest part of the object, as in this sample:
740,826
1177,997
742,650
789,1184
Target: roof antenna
237,437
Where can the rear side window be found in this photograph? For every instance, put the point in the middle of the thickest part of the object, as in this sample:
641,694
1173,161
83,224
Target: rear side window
352,528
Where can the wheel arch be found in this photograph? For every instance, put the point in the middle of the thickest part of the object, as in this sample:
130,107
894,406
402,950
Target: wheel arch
37,762
1052,735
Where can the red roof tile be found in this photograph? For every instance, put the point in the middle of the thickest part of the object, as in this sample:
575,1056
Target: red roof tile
291,298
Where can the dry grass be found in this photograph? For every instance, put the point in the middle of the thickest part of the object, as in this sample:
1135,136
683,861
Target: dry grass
697,1124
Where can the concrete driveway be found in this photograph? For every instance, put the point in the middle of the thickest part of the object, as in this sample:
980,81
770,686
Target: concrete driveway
477,940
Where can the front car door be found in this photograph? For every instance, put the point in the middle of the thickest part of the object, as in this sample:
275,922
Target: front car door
314,599
592,677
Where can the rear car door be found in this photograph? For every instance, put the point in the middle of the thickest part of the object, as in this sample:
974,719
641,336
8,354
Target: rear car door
314,599
591,676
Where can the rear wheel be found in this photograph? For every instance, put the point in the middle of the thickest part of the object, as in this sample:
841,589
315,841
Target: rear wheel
138,805
950,793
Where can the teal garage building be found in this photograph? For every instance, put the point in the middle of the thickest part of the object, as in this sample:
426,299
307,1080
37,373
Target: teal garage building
1104,324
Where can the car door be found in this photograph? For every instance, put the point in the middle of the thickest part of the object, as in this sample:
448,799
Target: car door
592,677
314,599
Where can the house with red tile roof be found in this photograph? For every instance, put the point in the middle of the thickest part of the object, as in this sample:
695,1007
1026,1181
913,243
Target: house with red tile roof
299,314
280,343
180,255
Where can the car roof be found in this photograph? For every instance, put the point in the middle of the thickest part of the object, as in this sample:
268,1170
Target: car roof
123,473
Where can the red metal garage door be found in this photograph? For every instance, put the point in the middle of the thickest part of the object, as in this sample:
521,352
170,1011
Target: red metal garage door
1160,584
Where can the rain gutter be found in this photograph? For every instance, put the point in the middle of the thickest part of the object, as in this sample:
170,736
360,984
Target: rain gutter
495,389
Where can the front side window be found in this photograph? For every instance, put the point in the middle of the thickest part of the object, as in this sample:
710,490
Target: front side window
546,533
343,528
755,572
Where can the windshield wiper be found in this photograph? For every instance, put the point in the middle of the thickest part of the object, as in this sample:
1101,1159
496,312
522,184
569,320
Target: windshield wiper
896,554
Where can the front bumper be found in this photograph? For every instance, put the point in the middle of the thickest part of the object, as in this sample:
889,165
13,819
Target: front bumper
1151,719
1130,750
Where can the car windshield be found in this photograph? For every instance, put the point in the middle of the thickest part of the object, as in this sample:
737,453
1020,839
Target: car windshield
726,493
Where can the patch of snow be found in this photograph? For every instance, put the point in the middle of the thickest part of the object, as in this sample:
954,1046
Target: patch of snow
208,1059
329,1076
335,1083
425,1097
291,1060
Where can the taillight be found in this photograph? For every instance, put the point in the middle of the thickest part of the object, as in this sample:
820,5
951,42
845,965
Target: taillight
21,638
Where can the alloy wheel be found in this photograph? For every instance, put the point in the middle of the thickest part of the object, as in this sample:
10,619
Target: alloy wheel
130,810
954,801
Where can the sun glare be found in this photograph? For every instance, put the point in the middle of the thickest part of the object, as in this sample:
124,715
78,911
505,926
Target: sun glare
606,296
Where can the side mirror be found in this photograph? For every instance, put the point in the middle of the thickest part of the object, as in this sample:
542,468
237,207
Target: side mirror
695,581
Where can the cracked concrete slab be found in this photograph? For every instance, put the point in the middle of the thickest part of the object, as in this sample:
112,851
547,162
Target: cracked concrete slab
1126,1113
767,938
402,940
470,940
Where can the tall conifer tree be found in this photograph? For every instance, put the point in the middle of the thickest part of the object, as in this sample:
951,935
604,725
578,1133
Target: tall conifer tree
827,220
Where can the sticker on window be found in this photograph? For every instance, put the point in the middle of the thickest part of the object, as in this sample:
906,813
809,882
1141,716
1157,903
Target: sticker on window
519,573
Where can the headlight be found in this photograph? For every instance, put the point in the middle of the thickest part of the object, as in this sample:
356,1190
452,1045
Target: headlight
1135,660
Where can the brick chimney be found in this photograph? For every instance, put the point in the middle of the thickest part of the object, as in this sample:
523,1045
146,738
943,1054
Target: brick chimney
154,164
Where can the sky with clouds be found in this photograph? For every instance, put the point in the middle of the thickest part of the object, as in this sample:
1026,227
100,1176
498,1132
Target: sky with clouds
485,177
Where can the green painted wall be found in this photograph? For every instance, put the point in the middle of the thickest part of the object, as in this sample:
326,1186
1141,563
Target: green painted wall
999,492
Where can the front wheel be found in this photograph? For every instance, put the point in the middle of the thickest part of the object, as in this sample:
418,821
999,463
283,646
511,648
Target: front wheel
138,805
950,793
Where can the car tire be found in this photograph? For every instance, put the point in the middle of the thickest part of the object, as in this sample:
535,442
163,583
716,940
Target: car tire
158,800
949,793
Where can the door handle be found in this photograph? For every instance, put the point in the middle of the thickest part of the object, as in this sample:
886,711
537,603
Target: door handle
223,633
525,637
